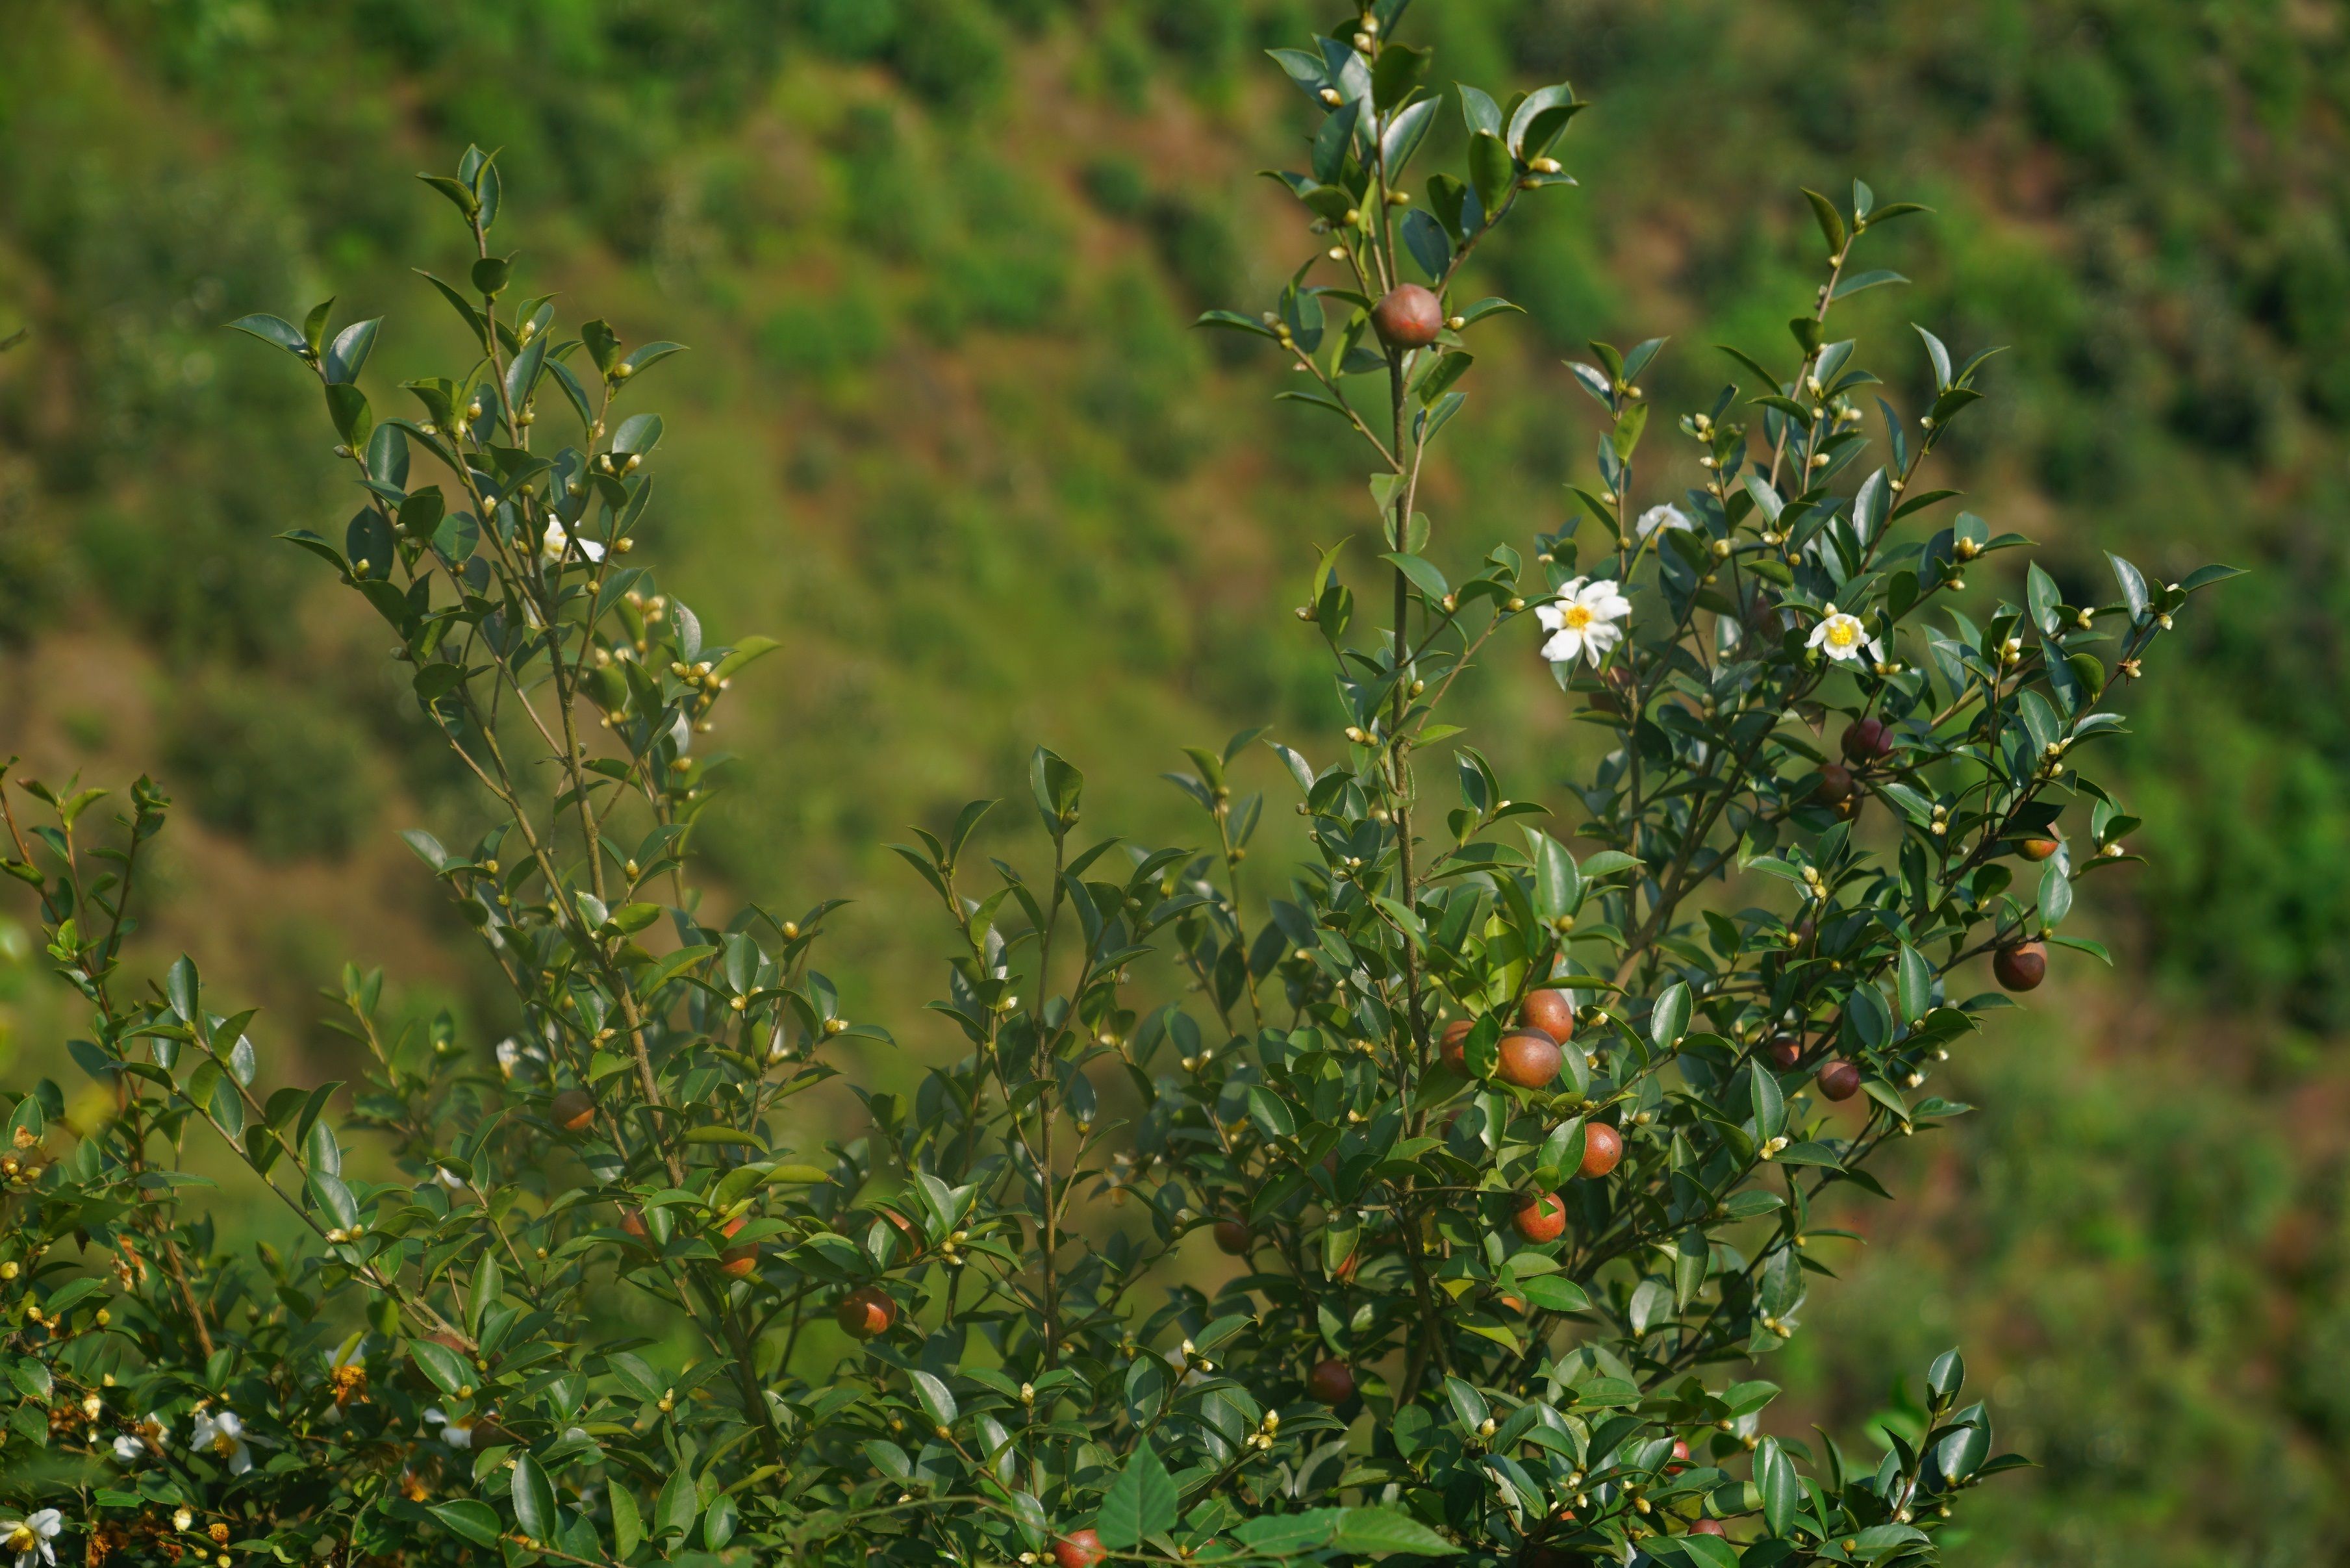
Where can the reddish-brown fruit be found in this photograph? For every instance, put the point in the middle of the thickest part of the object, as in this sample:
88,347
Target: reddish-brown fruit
632,1220
866,1311
1078,1548
1834,787
1603,1149
1330,1383
1550,1012
1681,1456
1408,317
740,1262
1867,741
1452,1045
1232,1237
1542,1218
1528,1058
1840,1080
1513,1304
574,1110
1708,1527
2038,848
906,1230
2023,966
1784,1051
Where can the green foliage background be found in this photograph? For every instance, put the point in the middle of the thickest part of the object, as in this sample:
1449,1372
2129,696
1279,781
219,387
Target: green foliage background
945,429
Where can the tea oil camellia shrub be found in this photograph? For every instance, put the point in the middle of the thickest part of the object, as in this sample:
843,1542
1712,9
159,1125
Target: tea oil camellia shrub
1445,1197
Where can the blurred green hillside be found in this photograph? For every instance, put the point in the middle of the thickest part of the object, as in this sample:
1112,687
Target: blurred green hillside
936,260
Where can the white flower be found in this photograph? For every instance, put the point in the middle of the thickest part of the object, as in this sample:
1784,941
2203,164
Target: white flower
1581,621
1840,636
223,1433
457,1434
30,1537
556,542
131,1448
1666,517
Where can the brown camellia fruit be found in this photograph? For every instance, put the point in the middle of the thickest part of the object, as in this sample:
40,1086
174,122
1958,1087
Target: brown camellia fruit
866,1311
2023,966
1603,1148
1330,1383
1232,1237
1528,1058
2038,848
1867,741
1840,1080
1408,317
1708,1527
1680,1460
632,1220
574,1110
1079,1549
1452,1045
1550,1012
1542,1218
740,1262
1834,787
1784,1051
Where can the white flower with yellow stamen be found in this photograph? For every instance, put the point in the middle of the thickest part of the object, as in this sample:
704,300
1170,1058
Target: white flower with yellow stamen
556,543
1665,518
29,1537
457,1433
1840,636
131,1448
1581,621
223,1434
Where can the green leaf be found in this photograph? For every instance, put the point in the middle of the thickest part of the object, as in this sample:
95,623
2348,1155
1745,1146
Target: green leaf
628,1527
937,1400
1830,222
1490,171
1774,1476
674,1513
1141,1502
273,329
533,1499
476,1522
1917,984
1380,1531
448,1370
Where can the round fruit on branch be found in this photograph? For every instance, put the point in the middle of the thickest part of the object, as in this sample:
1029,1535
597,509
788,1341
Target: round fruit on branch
1603,1150
1408,317
574,1110
1867,741
1330,1383
1840,1080
1528,1059
865,1312
2022,966
1550,1012
1452,1045
1079,1549
1542,1218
